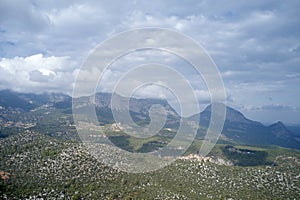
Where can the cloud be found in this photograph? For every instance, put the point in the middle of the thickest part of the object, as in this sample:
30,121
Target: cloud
270,113
270,107
255,44
41,75
37,73
277,107
22,16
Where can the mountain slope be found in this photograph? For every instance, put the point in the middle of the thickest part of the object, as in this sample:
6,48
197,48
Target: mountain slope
240,129
138,108
237,127
29,101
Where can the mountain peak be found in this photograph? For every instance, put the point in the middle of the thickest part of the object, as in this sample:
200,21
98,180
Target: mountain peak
232,115
279,129
278,125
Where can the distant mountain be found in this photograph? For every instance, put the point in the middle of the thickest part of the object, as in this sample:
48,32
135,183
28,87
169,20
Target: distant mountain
138,108
239,129
11,99
29,101
294,128
232,116
279,129
282,136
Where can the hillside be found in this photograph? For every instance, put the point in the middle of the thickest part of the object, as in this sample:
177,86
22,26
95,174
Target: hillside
237,127
42,155
37,166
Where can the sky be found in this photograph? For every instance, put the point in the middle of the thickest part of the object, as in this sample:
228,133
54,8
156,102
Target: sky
255,45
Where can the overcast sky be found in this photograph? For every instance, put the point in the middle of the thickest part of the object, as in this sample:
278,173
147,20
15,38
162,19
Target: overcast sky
255,45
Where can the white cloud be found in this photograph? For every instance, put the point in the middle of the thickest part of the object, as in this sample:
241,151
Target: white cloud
203,96
37,73
255,44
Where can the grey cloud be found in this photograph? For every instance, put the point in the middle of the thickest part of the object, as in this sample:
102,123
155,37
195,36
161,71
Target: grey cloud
277,107
269,107
21,16
38,76
255,44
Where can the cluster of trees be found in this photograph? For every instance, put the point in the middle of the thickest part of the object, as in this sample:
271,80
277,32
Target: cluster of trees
245,157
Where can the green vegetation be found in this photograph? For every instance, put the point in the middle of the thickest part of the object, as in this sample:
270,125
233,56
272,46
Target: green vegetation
122,142
40,166
42,157
245,157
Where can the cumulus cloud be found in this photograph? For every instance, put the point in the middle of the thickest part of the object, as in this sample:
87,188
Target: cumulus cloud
37,73
41,75
255,44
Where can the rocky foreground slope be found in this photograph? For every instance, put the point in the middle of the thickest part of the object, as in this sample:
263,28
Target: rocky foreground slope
37,166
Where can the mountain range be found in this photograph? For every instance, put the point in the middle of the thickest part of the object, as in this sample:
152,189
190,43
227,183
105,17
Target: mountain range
237,128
